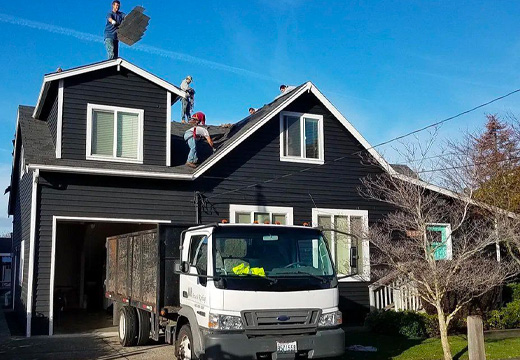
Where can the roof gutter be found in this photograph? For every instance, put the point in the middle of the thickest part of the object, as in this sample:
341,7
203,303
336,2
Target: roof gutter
111,172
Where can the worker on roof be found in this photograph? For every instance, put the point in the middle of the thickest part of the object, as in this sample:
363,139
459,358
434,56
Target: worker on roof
193,135
114,19
188,101
252,110
284,89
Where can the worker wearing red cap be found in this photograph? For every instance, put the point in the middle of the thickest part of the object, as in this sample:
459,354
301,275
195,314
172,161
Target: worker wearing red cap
193,135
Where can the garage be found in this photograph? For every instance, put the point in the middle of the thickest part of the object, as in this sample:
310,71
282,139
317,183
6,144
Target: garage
78,299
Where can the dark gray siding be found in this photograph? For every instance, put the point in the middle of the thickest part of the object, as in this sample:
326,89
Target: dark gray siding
333,185
354,301
52,119
110,87
21,231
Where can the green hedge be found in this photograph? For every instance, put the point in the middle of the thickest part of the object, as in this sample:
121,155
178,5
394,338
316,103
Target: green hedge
409,324
507,317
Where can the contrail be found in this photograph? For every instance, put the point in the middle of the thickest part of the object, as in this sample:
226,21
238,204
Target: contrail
143,48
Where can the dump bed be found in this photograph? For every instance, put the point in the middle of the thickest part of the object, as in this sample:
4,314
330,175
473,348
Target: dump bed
140,268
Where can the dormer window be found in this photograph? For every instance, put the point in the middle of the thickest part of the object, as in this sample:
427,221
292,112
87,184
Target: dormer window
301,137
114,133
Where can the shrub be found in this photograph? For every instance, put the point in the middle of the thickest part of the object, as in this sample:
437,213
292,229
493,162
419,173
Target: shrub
507,317
406,323
410,324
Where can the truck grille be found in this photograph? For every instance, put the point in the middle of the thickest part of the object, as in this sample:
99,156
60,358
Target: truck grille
267,322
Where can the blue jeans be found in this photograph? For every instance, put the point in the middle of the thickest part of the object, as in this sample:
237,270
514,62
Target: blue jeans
112,47
192,143
186,110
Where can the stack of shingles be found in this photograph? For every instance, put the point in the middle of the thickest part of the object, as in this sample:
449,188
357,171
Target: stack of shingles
133,26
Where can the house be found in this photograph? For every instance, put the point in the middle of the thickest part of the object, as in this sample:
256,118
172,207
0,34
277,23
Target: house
99,156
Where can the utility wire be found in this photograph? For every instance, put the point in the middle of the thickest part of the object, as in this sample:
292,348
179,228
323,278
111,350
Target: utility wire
445,120
467,166
361,151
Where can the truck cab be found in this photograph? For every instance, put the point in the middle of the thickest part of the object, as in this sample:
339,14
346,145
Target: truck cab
257,291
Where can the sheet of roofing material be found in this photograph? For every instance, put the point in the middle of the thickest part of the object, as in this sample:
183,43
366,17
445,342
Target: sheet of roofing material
133,26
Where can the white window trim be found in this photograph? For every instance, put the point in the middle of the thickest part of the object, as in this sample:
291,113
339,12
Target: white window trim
364,273
234,209
302,159
449,243
21,263
115,109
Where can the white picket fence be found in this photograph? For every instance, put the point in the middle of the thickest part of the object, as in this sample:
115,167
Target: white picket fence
392,293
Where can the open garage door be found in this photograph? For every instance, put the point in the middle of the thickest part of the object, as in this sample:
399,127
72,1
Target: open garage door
79,304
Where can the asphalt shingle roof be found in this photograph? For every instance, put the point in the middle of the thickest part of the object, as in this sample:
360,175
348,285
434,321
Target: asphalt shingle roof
39,147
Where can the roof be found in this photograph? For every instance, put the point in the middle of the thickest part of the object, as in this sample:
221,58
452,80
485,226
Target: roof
48,79
40,152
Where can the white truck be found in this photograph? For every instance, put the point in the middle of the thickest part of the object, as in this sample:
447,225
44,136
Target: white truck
227,291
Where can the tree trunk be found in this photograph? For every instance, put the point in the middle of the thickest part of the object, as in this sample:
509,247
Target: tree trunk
443,328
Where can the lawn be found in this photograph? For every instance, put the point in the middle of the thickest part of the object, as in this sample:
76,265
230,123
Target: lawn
399,348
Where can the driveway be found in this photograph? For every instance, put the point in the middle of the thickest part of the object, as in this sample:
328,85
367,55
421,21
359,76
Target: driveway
103,346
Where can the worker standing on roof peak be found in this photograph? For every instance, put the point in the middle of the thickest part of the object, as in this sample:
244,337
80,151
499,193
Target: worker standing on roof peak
114,18
193,135
187,102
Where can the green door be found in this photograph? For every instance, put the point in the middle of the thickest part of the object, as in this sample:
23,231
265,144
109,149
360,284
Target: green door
440,236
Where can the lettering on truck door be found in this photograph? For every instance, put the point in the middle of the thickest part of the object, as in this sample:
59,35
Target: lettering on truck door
194,289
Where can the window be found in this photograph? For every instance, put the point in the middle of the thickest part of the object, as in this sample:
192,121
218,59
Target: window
439,236
199,255
114,133
349,253
22,258
247,214
301,137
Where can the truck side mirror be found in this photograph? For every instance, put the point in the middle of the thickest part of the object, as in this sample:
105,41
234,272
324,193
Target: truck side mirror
185,267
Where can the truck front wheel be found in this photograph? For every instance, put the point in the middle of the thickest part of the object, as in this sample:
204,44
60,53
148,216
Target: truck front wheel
127,326
184,344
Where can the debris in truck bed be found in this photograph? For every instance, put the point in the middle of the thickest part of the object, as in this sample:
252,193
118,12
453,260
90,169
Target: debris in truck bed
133,26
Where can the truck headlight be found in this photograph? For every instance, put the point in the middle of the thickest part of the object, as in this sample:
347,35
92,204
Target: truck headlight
331,319
224,322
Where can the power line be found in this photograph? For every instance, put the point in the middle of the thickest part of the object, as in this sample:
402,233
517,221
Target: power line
361,151
467,166
445,120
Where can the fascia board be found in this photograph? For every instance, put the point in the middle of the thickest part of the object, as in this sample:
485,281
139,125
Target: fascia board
110,172
106,64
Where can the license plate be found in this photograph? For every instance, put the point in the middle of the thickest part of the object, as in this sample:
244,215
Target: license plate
286,347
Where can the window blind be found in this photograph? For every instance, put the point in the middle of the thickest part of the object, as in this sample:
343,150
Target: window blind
102,133
127,135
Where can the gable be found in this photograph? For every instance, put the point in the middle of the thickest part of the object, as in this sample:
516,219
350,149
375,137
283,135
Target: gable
258,156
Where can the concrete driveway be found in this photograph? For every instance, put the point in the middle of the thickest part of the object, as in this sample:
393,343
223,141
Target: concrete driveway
103,346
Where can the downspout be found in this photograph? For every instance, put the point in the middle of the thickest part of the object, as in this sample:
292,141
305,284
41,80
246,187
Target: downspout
32,241
198,210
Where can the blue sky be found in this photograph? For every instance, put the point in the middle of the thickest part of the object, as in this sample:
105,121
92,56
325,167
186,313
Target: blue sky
389,66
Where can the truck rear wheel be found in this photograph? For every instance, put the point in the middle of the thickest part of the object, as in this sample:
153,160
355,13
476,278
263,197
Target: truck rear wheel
143,335
184,344
127,326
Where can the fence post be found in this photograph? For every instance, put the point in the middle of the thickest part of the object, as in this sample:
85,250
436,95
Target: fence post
372,298
476,350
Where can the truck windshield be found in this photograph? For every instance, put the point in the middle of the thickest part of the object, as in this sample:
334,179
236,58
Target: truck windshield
271,252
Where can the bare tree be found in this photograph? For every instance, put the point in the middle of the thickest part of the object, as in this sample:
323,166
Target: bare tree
405,245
